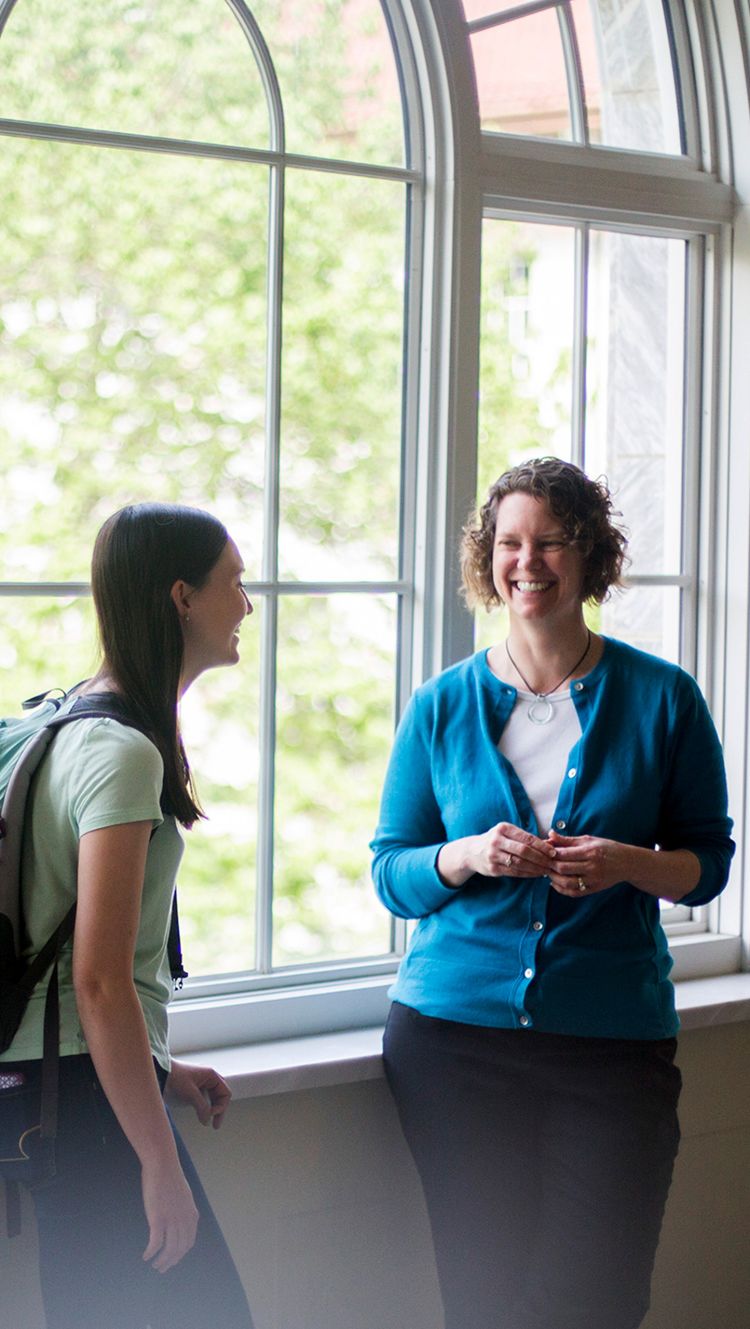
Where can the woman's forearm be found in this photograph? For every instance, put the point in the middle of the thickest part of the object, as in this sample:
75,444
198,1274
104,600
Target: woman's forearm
667,873
115,1032
455,862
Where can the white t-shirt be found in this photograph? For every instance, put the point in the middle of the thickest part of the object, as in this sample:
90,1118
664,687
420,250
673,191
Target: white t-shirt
97,773
539,752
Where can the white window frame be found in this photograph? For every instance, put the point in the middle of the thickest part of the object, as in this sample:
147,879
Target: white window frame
463,173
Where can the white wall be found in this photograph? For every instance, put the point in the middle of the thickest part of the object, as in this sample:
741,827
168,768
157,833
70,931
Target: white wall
322,1208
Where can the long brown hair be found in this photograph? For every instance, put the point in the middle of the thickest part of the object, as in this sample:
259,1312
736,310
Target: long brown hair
139,553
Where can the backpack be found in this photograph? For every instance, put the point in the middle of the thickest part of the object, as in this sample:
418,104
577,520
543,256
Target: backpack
29,1094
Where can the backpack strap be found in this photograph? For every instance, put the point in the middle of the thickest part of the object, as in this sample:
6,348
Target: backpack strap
109,706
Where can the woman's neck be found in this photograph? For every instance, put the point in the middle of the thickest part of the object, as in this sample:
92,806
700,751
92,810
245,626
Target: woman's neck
540,657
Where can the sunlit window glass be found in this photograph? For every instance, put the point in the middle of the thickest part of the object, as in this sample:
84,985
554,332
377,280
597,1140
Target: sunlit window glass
335,728
219,869
526,352
341,403
184,71
338,79
127,371
634,424
628,74
526,344
151,349
598,71
521,77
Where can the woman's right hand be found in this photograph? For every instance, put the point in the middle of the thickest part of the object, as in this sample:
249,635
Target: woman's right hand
503,851
170,1213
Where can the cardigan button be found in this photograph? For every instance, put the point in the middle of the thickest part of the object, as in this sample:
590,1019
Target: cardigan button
537,926
561,824
524,1021
578,687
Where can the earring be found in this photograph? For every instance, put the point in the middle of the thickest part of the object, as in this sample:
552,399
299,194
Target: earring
187,617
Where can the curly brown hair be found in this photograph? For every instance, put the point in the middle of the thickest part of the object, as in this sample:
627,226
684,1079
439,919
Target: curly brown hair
584,508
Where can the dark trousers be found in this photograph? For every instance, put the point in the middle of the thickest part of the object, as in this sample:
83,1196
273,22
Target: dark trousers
93,1232
546,1162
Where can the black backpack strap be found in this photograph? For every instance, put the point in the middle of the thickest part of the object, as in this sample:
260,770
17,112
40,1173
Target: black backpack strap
174,948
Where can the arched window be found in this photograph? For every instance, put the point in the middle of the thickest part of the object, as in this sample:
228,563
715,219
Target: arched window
259,257
210,225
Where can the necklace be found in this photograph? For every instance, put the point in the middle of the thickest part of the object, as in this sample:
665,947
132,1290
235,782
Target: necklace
541,709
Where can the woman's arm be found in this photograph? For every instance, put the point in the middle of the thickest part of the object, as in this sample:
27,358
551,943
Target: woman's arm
111,867
503,851
692,862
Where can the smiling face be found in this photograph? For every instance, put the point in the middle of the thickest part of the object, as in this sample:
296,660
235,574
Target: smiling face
212,615
536,571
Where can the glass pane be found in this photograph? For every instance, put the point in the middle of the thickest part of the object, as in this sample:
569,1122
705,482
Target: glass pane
335,728
184,71
634,411
338,77
341,418
44,643
628,74
126,371
521,79
218,872
645,616
474,9
526,344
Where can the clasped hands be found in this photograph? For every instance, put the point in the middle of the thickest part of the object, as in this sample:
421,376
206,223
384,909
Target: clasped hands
576,865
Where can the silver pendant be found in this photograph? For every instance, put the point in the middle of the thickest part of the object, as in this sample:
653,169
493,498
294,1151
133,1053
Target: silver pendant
540,711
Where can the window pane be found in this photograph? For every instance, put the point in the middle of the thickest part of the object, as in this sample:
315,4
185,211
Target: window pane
628,74
526,344
626,62
474,9
341,421
44,643
218,872
335,728
647,617
634,408
184,71
126,371
521,77
338,77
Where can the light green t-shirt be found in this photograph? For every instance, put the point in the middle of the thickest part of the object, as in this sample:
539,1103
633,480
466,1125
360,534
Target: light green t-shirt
97,773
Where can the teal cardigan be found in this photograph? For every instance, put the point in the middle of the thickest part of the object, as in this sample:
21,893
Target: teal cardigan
647,770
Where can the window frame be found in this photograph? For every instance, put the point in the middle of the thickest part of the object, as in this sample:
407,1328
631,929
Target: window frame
460,173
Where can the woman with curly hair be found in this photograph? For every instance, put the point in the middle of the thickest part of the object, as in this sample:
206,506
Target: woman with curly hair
542,797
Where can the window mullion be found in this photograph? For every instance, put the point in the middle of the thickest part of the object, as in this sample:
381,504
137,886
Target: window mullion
580,325
574,75
269,632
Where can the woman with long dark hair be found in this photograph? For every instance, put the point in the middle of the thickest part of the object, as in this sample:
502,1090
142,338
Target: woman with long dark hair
542,797
127,1238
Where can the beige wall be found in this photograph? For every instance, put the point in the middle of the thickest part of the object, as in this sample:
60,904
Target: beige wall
322,1209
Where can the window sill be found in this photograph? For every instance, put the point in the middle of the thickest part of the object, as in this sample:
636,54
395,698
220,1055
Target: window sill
351,1056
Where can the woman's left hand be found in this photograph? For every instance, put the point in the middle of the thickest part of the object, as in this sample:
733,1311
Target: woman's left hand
586,864
201,1088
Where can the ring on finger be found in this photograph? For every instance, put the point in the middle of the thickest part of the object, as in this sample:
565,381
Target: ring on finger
509,860
581,885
